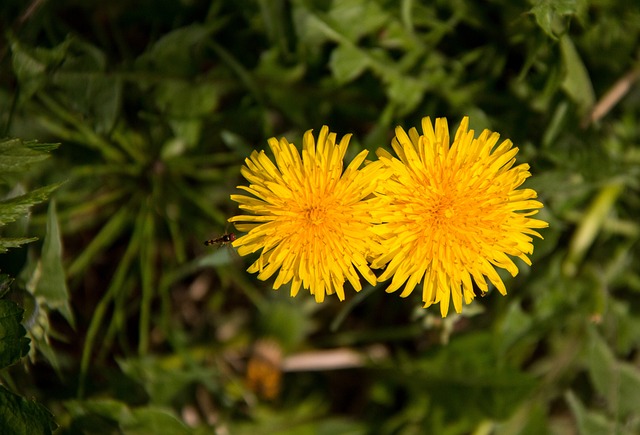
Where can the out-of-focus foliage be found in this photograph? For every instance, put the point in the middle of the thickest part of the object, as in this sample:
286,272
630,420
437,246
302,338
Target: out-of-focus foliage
139,328
15,157
17,414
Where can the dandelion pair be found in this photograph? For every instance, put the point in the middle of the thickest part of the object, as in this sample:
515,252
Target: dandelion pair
442,214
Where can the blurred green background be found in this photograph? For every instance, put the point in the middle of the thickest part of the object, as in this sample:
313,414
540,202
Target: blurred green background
144,112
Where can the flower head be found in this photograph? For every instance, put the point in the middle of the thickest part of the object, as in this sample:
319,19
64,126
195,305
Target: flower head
312,221
455,213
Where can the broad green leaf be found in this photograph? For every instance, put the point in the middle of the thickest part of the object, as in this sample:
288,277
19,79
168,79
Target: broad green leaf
173,54
516,337
52,284
151,420
236,143
618,382
346,22
628,381
16,155
627,324
576,82
284,321
86,88
548,14
468,376
406,92
143,420
356,18
601,363
347,63
531,419
291,423
108,408
186,105
13,343
77,71
19,416
164,378
589,422
28,303
180,99
307,417
33,66
310,29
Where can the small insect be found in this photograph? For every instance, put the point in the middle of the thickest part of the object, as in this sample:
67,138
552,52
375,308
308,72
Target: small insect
225,239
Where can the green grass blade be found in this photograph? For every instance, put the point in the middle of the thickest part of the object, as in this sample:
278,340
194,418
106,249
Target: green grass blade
147,263
110,231
52,285
114,289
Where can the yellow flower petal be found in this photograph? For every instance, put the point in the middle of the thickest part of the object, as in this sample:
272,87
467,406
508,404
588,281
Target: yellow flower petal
454,213
311,222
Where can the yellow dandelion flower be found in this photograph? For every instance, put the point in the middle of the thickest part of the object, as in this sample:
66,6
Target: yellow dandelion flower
312,222
455,213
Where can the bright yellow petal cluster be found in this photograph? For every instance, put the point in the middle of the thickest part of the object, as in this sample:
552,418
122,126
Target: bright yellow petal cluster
442,214
311,221
455,213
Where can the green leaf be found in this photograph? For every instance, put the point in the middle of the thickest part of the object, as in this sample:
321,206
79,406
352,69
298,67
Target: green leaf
164,378
405,92
74,68
284,321
618,382
516,335
173,54
52,284
548,14
183,100
576,82
628,384
368,15
347,63
13,343
86,86
20,416
467,375
156,421
143,420
590,225
16,155
14,242
186,105
310,29
309,416
589,422
16,207
33,66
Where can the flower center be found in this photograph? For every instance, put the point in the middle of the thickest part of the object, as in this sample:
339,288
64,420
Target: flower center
315,214
443,210
448,212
